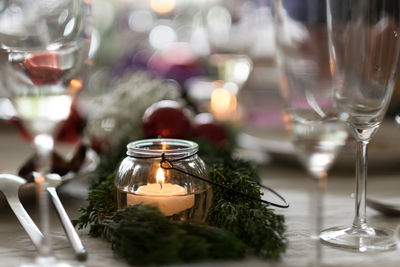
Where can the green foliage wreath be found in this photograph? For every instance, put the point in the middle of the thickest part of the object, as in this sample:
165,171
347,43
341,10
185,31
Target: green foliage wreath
235,227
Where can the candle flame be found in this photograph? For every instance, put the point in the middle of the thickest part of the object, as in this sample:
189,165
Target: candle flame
160,177
164,146
223,103
39,179
74,86
162,6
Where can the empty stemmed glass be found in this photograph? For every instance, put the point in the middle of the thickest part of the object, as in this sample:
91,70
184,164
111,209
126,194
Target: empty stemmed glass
306,87
218,36
44,47
364,48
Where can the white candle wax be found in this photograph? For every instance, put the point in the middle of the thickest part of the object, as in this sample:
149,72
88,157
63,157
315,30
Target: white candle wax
169,198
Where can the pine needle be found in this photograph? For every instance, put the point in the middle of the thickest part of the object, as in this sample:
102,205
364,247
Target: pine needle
142,235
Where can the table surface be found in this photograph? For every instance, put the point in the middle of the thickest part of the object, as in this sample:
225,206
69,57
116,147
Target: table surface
288,179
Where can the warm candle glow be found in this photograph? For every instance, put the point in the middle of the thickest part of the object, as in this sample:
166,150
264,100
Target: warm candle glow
76,83
223,103
39,179
162,6
74,86
169,198
160,176
220,99
331,66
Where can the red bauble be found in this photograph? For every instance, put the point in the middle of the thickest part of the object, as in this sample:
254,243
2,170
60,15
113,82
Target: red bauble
166,119
100,144
205,126
72,129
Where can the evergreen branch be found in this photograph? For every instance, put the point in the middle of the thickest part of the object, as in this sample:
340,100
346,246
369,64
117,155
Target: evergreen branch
142,235
251,221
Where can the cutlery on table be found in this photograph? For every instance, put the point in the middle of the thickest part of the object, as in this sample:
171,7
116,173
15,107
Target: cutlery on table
9,185
55,180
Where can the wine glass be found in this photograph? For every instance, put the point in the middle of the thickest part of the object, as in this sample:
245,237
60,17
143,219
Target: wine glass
229,54
364,47
217,37
44,46
306,87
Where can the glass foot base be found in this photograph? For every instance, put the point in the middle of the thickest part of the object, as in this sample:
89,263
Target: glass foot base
46,262
359,239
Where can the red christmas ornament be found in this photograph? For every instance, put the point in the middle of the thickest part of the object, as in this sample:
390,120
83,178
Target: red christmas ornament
207,127
166,119
72,129
100,144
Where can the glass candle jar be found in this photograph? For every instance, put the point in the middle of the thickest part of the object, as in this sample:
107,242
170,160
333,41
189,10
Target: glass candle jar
141,179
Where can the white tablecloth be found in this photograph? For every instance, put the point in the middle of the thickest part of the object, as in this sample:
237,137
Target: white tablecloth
289,180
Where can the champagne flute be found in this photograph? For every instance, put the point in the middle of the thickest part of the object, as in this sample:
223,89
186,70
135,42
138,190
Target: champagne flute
364,48
306,86
44,44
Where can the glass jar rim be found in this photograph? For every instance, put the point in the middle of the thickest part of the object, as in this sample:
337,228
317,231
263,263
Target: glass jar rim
177,147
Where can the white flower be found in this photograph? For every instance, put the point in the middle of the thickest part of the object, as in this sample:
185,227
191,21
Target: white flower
118,113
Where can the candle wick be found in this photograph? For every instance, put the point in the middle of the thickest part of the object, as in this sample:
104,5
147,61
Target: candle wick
161,186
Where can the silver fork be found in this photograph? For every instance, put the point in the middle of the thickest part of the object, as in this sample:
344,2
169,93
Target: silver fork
9,185
55,180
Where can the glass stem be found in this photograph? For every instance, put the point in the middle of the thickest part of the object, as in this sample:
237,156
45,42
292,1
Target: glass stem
360,219
316,211
44,148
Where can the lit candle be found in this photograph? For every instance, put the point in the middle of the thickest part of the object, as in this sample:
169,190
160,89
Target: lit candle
223,104
169,198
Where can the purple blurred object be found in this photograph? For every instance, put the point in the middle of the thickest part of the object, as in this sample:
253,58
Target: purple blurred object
179,65
181,73
178,62
131,62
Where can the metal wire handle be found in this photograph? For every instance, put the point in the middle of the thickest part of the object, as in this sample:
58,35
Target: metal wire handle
168,165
